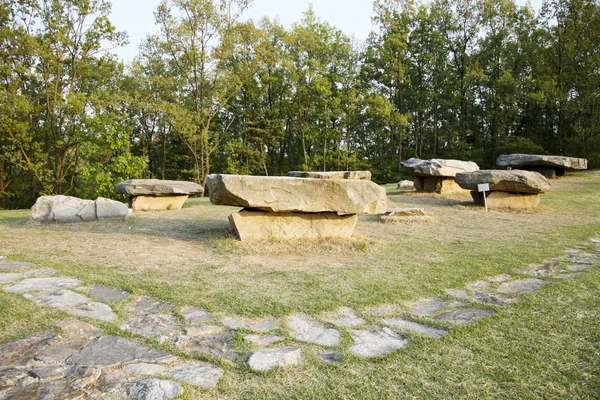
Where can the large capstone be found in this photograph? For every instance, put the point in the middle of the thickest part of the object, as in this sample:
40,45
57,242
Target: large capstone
437,167
157,187
530,160
285,194
360,175
514,181
67,209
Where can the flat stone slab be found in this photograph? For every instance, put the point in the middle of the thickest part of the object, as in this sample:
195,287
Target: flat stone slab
150,325
546,269
8,278
14,266
148,305
157,203
415,327
437,167
309,332
10,376
268,359
522,160
109,294
40,284
21,351
488,298
345,317
220,345
60,298
95,310
154,389
59,353
68,209
464,316
261,340
376,343
283,194
75,329
460,293
405,215
581,259
204,330
332,357
521,286
114,350
578,267
144,369
360,175
71,386
262,225
427,307
233,323
264,326
157,187
514,181
198,374
195,315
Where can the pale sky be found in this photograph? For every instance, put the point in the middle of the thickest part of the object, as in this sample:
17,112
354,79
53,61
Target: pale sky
353,17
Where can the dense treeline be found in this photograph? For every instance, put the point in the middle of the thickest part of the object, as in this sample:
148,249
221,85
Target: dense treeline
210,93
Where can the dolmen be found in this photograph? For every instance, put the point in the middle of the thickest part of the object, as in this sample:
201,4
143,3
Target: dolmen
436,175
549,166
405,216
68,209
360,175
295,208
514,189
156,194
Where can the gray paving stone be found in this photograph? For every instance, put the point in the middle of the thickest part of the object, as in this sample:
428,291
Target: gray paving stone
488,298
198,374
232,323
51,371
427,307
220,345
332,357
583,259
13,266
144,369
195,315
60,298
415,327
8,278
154,389
459,293
268,359
347,318
150,325
109,294
309,332
265,326
521,286
23,350
464,316
261,340
546,269
114,350
376,343
72,386
95,310
75,329
60,352
578,267
148,305
204,330
40,284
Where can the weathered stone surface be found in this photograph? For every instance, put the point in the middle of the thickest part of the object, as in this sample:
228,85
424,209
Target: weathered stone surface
347,318
309,332
39,284
546,269
113,350
415,327
377,342
95,310
427,307
515,181
436,184
195,315
154,389
204,330
144,369
198,374
437,167
220,345
283,194
332,357
22,350
157,203
14,266
147,305
7,278
488,298
406,185
10,376
505,200
263,340
69,387
268,359
522,160
233,323
260,225
75,329
581,259
149,325
59,353
464,316
112,384
50,371
67,209
136,187
60,298
360,175
460,293
109,294
521,286
265,326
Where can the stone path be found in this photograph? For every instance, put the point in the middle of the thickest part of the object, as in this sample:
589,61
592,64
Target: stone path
82,361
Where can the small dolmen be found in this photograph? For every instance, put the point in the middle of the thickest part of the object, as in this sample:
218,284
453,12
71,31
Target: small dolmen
549,166
437,175
515,189
405,215
67,209
156,194
293,208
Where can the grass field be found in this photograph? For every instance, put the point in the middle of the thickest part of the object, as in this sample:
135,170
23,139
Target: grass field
546,345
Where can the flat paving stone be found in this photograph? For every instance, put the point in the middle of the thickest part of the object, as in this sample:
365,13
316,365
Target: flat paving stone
40,273
464,316
376,343
94,310
415,327
478,285
488,298
264,326
578,267
144,369
148,305
154,389
220,345
51,371
114,350
521,286
40,284
261,340
269,359
233,323
60,352
195,315
309,332
332,357
60,298
8,278
545,269
109,294
150,325
198,374
459,293
204,330
427,307
75,329
346,317
72,386
13,266
581,259
23,350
